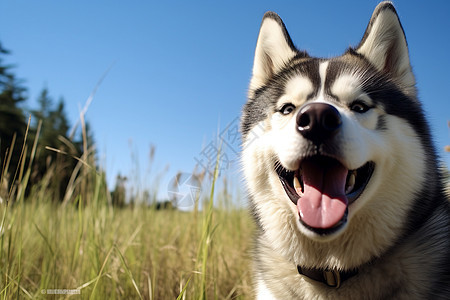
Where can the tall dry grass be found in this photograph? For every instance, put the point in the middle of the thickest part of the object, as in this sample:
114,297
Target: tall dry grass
83,244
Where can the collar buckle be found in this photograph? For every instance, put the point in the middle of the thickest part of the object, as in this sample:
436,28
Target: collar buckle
332,278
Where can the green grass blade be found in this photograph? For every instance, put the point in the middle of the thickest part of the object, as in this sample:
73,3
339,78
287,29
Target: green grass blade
130,275
180,296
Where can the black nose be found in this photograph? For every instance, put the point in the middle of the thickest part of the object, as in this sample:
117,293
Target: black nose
318,122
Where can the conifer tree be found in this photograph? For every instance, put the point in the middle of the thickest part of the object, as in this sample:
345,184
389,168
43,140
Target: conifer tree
12,120
55,152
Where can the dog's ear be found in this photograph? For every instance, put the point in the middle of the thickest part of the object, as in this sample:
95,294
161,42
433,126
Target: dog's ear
384,45
273,50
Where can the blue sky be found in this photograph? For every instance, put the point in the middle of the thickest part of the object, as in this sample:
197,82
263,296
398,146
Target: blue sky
179,70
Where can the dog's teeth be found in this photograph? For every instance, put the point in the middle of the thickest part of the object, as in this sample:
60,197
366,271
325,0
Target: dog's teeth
297,186
350,183
296,183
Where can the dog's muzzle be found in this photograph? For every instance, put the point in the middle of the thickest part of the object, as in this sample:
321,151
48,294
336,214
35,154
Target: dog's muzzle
322,187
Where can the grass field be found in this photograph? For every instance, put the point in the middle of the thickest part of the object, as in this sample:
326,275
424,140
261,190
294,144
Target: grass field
89,249
127,253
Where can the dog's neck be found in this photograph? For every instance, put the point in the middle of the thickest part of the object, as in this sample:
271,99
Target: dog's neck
332,278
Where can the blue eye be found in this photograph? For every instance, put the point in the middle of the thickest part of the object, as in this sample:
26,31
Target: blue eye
287,108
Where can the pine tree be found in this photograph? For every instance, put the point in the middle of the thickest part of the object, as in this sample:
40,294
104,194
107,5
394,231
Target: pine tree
12,120
54,120
55,152
119,194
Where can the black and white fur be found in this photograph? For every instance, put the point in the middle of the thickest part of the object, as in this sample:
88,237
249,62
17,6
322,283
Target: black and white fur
396,234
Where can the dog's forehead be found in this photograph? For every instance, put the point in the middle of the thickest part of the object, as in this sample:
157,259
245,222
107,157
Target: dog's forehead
300,87
334,78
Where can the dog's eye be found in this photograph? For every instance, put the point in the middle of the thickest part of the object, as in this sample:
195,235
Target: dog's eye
359,107
287,108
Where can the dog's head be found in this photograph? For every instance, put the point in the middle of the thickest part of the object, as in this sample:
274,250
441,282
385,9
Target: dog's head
331,147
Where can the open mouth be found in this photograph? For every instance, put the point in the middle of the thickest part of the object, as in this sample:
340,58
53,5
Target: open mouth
322,189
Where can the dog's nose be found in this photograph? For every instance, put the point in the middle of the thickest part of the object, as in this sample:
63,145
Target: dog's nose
318,122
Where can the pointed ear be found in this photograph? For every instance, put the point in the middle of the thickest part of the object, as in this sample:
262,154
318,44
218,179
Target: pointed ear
273,50
384,45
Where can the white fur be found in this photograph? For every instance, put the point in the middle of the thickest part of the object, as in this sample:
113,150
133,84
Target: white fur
385,44
297,91
323,75
271,54
263,293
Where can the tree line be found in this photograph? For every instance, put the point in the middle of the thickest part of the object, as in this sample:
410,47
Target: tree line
58,157
56,148
61,158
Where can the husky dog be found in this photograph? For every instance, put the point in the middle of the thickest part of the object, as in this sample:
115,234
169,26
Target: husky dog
342,174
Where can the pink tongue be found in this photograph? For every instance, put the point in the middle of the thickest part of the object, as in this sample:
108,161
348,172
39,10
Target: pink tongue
323,203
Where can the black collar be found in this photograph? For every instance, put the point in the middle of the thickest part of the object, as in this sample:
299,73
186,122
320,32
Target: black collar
331,278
